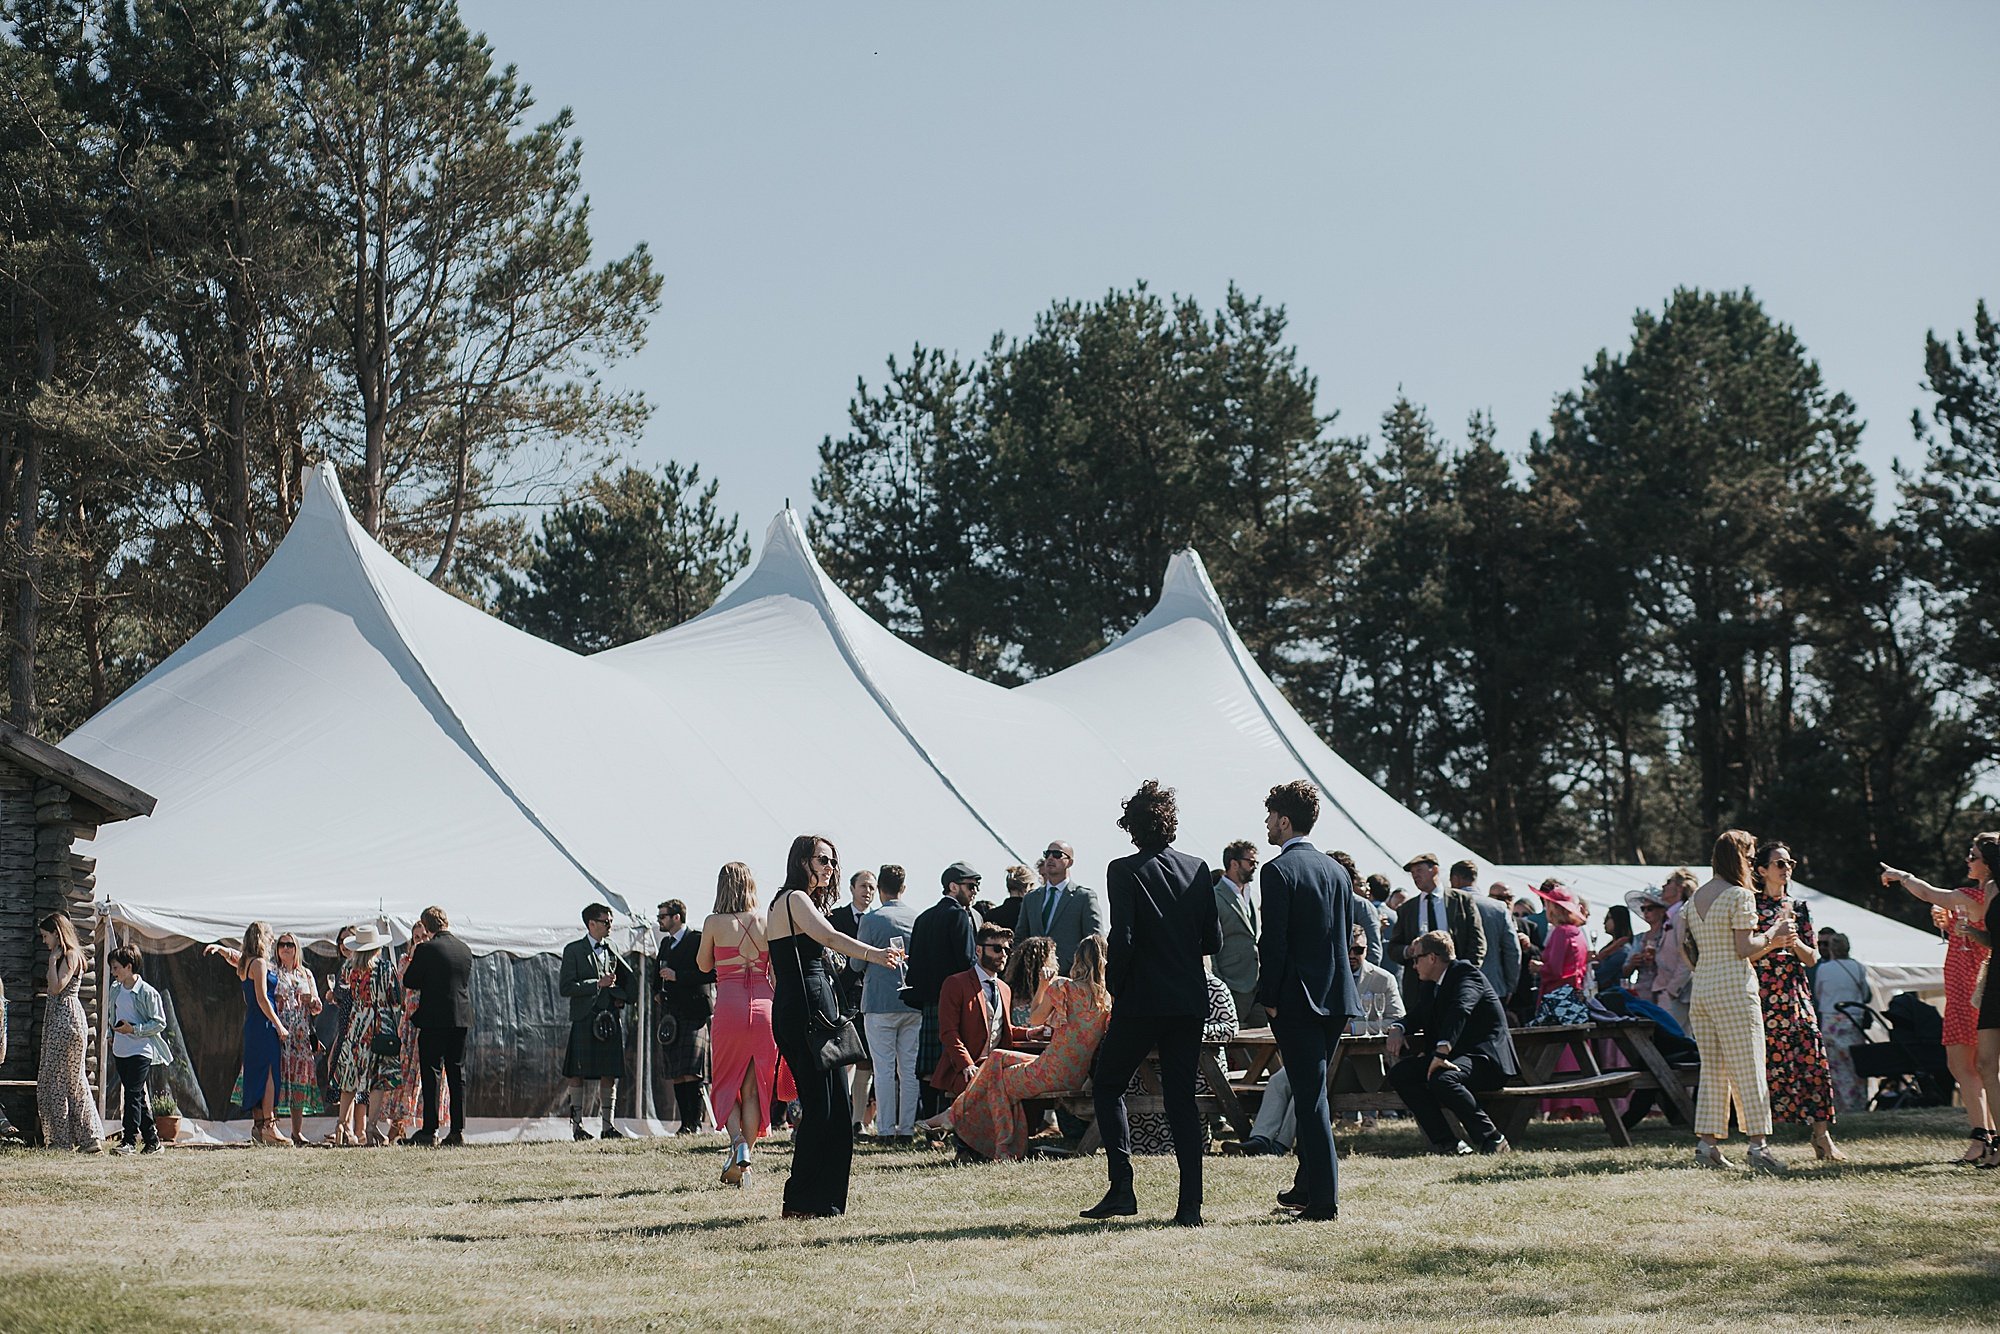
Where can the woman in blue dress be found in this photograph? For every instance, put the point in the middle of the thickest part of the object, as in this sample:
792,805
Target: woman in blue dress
263,1033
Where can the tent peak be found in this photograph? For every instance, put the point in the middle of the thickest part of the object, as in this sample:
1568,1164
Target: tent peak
319,487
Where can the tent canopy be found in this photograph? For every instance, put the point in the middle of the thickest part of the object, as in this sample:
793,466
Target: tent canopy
346,741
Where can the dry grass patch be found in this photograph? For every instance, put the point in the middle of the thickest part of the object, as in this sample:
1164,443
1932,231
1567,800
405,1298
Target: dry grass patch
1567,1234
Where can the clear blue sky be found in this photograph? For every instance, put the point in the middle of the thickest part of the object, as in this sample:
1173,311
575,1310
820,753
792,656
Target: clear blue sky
1465,201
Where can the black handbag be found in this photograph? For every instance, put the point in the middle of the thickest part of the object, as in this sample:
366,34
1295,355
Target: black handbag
836,1042
387,1044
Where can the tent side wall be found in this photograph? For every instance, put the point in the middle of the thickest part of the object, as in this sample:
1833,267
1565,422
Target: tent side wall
513,1057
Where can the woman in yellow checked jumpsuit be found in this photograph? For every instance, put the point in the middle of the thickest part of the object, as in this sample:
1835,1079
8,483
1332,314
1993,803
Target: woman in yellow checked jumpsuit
1726,1018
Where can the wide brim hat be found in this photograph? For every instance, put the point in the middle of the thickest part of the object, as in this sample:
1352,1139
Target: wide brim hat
1639,898
1563,896
364,939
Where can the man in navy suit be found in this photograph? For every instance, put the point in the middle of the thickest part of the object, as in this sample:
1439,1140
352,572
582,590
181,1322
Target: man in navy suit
1304,983
1163,920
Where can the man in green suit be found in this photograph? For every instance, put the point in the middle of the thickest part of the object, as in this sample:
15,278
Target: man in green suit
1236,961
598,982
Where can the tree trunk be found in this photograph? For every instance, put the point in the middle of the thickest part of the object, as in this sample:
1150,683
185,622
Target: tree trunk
233,525
461,485
23,710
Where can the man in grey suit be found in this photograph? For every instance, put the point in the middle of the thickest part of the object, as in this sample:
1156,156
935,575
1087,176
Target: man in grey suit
1502,964
1304,983
1060,909
1236,962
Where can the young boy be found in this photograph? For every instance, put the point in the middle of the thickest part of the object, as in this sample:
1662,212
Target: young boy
138,1017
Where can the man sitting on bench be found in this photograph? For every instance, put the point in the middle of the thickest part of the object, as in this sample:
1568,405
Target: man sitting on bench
1459,1031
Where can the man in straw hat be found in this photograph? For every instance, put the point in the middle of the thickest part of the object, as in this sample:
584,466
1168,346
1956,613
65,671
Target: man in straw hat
1435,908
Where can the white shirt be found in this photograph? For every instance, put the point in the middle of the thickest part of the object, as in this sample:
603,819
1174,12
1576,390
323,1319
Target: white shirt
1287,847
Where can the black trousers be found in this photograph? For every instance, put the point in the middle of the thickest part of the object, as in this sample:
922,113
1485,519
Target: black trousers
442,1051
1452,1089
823,1141
132,1072
1126,1042
1305,1048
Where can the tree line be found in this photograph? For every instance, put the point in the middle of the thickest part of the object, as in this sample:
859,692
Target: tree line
241,236
1680,612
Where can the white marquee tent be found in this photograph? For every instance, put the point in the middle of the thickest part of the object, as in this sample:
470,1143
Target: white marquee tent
346,740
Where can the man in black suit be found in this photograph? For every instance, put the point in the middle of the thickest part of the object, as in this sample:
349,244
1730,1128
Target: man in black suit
1304,983
941,946
440,972
1462,1046
687,998
1163,920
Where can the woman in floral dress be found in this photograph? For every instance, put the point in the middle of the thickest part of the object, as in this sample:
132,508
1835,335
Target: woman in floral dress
359,1072
297,998
1795,1064
987,1117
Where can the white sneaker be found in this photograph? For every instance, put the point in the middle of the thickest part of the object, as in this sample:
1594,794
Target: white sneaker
124,1151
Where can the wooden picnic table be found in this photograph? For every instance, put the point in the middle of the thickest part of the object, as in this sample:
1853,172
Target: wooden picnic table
1358,1074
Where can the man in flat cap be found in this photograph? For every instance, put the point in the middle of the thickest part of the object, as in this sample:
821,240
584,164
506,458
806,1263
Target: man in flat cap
941,946
1434,908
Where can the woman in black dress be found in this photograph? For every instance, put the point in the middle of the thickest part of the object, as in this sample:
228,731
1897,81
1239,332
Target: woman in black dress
799,934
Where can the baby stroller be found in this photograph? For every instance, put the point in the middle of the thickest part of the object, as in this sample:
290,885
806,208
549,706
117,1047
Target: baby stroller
1911,1064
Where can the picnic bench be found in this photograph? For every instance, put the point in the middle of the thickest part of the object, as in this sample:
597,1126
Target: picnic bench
1358,1075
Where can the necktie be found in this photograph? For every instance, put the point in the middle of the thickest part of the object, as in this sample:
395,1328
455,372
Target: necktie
1431,912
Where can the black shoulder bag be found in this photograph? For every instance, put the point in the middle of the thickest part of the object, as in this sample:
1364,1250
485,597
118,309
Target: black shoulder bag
836,1042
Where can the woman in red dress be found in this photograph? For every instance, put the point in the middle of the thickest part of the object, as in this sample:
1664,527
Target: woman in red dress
1959,913
742,1050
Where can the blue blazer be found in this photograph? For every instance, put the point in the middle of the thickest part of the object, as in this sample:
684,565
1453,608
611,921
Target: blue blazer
1308,915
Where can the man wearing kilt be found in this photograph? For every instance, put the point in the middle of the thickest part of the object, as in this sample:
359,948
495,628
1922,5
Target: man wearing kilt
687,1001
597,983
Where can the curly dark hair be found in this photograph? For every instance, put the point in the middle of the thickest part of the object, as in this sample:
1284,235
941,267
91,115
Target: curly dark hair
1150,816
1297,801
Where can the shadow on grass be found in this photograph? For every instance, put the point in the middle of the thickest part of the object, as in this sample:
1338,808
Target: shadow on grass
637,1232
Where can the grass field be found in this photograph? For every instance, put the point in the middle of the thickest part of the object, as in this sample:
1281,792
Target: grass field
1568,1233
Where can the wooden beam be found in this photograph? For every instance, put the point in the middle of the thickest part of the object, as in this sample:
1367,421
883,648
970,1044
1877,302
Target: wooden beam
114,796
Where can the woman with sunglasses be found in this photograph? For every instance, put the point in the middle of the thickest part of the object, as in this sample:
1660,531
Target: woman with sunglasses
1795,1066
1971,1030
296,995
799,936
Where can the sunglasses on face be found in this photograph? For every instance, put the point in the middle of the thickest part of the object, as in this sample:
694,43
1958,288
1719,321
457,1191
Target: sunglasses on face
821,859
1052,855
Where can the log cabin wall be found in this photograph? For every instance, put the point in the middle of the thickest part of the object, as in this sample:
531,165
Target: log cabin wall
39,875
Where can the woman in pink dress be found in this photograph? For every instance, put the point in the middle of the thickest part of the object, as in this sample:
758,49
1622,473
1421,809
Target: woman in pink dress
987,1117
743,1052
1565,963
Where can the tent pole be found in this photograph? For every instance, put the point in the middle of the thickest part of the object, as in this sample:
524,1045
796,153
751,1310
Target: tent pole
642,1099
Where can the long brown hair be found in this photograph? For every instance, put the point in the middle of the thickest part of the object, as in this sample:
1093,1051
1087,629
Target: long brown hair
256,945
799,868
1087,968
1732,856
58,925
735,889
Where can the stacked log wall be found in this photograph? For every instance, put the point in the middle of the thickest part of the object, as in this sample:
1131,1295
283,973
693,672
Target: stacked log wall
39,875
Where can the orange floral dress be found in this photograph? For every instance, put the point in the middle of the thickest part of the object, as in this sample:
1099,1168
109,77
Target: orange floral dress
987,1116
